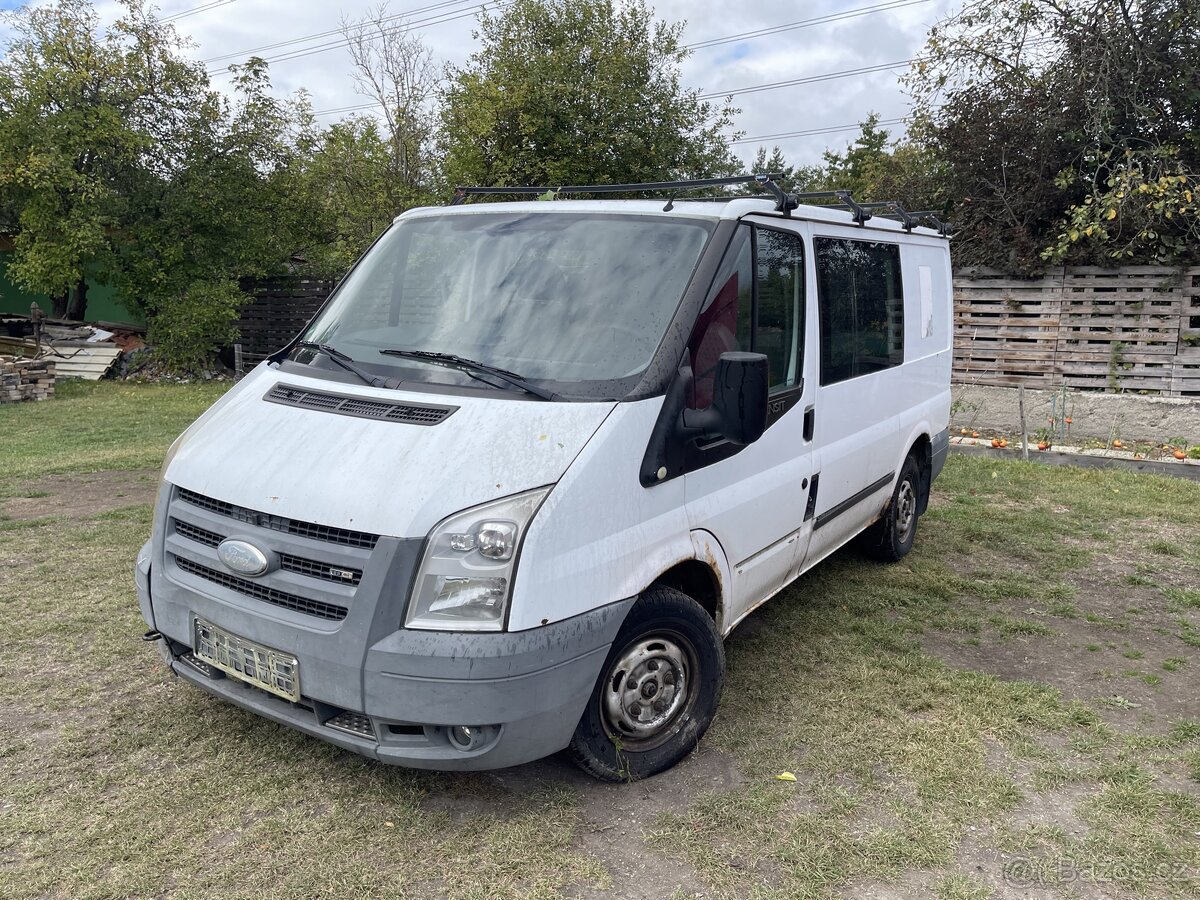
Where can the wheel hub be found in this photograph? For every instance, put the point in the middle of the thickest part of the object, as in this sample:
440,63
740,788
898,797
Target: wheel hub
646,689
906,509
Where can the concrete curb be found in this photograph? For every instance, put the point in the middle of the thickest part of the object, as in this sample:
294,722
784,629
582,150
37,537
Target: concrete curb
1175,468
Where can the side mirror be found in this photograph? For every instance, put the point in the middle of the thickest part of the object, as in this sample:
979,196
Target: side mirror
739,406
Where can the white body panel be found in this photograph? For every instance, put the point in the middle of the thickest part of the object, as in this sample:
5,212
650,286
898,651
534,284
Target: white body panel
866,426
600,536
382,477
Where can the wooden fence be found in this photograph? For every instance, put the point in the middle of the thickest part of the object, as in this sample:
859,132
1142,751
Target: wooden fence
278,309
1130,329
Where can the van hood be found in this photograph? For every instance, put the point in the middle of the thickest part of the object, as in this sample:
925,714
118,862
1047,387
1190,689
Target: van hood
383,477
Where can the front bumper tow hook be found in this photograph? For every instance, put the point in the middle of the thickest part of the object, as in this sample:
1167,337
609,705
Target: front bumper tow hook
153,635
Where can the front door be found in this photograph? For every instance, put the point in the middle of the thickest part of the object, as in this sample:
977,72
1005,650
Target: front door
753,498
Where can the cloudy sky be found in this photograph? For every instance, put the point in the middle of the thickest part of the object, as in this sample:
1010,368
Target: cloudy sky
877,35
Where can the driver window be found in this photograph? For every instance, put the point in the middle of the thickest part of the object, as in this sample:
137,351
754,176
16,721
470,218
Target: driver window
756,303
725,320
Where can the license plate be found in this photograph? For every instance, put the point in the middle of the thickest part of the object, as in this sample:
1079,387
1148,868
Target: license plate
271,670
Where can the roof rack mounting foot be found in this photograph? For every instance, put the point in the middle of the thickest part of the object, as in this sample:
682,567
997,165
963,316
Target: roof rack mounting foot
860,213
784,202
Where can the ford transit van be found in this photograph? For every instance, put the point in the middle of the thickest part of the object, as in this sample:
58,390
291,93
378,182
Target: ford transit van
533,461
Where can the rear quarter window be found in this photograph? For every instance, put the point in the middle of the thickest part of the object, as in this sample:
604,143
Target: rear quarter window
860,297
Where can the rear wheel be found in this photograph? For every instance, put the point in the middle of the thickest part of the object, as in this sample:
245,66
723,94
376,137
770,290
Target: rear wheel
894,534
657,692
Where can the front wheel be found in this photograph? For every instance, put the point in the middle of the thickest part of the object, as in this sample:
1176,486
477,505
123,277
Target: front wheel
657,693
894,534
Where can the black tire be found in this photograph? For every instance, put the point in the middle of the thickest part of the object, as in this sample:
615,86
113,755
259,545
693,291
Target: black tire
667,636
892,537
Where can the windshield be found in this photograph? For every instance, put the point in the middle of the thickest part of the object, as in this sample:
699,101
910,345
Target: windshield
574,299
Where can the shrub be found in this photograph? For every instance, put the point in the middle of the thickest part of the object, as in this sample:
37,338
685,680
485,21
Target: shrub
187,330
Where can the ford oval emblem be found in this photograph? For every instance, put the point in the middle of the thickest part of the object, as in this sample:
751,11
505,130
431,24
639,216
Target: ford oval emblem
242,557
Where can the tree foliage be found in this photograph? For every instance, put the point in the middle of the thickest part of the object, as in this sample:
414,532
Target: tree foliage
1070,132
872,167
81,116
579,91
119,162
346,185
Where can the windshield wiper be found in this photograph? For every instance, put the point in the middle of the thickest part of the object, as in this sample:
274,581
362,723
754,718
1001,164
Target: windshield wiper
472,367
347,363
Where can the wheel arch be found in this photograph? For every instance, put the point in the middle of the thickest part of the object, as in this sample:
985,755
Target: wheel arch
920,448
704,577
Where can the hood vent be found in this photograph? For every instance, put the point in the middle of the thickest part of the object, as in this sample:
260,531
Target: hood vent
388,411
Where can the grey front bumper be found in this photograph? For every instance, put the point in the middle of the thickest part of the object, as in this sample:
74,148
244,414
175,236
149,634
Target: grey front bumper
526,689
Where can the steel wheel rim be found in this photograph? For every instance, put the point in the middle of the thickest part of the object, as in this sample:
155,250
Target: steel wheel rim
906,510
648,690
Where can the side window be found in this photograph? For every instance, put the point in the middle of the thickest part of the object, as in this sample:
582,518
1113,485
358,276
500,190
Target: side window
780,282
726,318
756,303
861,299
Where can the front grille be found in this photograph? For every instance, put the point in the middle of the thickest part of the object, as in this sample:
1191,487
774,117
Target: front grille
389,411
343,536
289,562
324,571
293,602
199,535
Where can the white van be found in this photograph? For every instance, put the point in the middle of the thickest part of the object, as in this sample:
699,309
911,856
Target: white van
533,461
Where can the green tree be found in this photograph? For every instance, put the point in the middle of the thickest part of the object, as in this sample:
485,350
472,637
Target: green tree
347,188
872,168
1069,132
80,112
119,162
579,91
859,167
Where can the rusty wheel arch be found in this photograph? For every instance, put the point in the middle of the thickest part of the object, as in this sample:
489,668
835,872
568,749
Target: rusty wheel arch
699,581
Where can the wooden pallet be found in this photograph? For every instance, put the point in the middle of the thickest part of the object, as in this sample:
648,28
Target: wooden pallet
1130,329
278,310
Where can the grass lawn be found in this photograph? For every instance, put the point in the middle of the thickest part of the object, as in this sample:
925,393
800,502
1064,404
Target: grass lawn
98,426
1013,710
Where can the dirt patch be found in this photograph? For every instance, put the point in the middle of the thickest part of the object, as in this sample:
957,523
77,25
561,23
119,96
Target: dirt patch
617,817
1118,649
78,496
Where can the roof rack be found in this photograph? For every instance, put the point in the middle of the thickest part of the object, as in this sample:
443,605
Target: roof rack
676,187
784,202
910,219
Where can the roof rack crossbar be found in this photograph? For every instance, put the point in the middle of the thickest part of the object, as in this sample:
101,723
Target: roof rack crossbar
860,212
694,184
933,216
894,208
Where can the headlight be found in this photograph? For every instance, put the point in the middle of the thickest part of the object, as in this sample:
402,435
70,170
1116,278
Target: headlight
466,574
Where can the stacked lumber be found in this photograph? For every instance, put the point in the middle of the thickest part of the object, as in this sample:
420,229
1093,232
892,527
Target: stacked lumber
26,379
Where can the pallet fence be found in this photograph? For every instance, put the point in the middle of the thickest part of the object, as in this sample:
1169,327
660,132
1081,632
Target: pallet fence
1133,329
278,309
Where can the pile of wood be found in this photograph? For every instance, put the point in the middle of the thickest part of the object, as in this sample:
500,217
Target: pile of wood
26,379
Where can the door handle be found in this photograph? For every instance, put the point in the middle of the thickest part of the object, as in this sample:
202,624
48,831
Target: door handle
810,421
